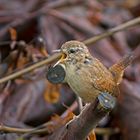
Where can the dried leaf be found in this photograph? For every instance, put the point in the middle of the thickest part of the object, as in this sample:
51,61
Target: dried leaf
52,93
13,34
57,121
92,136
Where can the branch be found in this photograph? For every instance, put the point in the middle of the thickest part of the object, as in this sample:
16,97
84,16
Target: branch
81,126
30,68
106,131
112,31
57,56
8,129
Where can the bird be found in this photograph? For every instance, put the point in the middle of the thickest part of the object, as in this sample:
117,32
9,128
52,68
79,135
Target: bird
86,75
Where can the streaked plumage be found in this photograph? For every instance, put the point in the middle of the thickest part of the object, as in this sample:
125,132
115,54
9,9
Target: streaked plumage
86,75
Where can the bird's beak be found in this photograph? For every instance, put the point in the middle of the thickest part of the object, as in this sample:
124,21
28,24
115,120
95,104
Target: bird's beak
61,59
56,51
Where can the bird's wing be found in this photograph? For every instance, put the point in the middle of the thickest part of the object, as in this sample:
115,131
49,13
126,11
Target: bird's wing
102,78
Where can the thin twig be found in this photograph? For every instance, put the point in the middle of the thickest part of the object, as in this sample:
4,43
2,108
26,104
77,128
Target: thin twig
106,131
98,131
9,129
112,31
30,68
57,56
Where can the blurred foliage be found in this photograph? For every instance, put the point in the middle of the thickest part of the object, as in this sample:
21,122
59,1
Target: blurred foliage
31,100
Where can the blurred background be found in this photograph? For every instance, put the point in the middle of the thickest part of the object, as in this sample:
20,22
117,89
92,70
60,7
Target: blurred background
31,29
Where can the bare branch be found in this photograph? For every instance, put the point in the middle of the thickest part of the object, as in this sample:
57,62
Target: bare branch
80,126
88,119
112,31
30,68
57,56
8,129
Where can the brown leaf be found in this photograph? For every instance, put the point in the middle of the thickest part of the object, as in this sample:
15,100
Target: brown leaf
92,136
57,121
13,34
52,93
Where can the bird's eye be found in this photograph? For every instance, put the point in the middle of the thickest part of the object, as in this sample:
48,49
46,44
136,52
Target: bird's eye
72,50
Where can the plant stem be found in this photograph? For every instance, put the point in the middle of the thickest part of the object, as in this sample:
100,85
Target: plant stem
98,131
57,56
112,31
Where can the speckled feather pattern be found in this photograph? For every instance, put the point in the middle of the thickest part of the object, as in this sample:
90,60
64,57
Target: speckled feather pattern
86,75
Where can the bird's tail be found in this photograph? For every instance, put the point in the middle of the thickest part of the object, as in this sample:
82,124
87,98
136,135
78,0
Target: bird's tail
118,69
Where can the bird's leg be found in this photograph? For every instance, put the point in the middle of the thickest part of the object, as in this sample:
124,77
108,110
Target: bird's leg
80,107
80,103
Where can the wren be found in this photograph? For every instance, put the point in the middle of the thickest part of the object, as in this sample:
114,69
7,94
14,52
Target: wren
86,75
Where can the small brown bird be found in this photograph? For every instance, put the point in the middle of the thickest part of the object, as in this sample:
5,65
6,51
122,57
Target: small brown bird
86,75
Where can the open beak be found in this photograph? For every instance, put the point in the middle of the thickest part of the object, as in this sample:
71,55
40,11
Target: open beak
61,59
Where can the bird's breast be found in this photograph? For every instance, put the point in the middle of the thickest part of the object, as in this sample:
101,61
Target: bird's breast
79,80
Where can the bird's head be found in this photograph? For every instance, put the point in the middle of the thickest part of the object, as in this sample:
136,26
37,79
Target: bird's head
73,51
72,48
